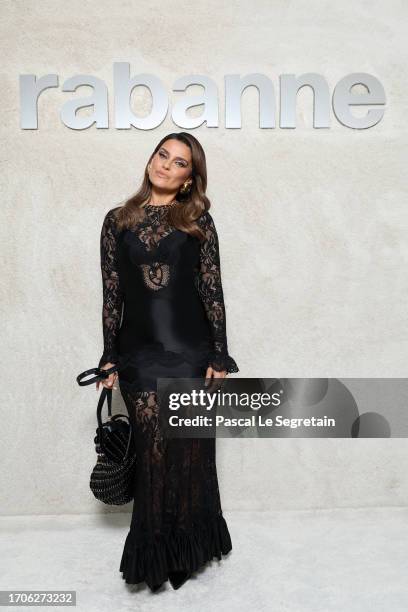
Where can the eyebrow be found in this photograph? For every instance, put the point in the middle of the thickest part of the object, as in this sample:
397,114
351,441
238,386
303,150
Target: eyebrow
182,158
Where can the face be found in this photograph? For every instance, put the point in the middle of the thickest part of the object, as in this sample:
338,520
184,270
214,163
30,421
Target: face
170,166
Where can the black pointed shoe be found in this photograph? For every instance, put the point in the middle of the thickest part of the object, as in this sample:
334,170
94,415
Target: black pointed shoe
177,579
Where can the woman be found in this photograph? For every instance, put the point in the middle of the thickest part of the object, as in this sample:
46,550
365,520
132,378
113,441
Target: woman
160,262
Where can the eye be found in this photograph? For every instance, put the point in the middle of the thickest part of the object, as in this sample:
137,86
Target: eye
183,165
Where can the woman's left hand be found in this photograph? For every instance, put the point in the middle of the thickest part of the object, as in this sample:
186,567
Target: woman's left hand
211,375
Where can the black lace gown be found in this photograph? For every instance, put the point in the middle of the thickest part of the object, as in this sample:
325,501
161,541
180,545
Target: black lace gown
164,316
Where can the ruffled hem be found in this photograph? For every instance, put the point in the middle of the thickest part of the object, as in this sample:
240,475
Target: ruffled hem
108,358
223,362
175,551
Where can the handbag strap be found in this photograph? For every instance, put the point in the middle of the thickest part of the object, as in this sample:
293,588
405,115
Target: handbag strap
99,375
107,393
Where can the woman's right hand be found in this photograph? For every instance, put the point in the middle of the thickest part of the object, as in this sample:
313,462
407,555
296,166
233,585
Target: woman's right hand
110,381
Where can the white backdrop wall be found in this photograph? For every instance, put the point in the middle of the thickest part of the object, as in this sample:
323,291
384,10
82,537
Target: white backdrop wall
312,226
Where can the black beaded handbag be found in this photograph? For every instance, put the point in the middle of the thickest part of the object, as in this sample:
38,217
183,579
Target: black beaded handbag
112,477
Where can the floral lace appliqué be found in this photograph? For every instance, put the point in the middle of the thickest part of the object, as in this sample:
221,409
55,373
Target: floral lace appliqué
112,292
209,286
156,275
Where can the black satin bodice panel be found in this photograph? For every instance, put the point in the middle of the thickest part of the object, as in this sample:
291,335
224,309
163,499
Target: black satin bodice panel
172,314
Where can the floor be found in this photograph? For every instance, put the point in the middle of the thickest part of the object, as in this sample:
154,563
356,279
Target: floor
287,561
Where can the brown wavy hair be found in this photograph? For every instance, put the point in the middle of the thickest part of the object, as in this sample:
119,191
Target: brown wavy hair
193,203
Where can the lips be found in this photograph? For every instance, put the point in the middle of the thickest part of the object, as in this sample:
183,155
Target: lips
161,175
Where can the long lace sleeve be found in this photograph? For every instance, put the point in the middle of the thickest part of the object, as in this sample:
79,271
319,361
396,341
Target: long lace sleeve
208,282
111,290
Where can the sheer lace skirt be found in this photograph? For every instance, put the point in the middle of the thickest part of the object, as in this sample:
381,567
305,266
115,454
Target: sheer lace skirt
177,521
